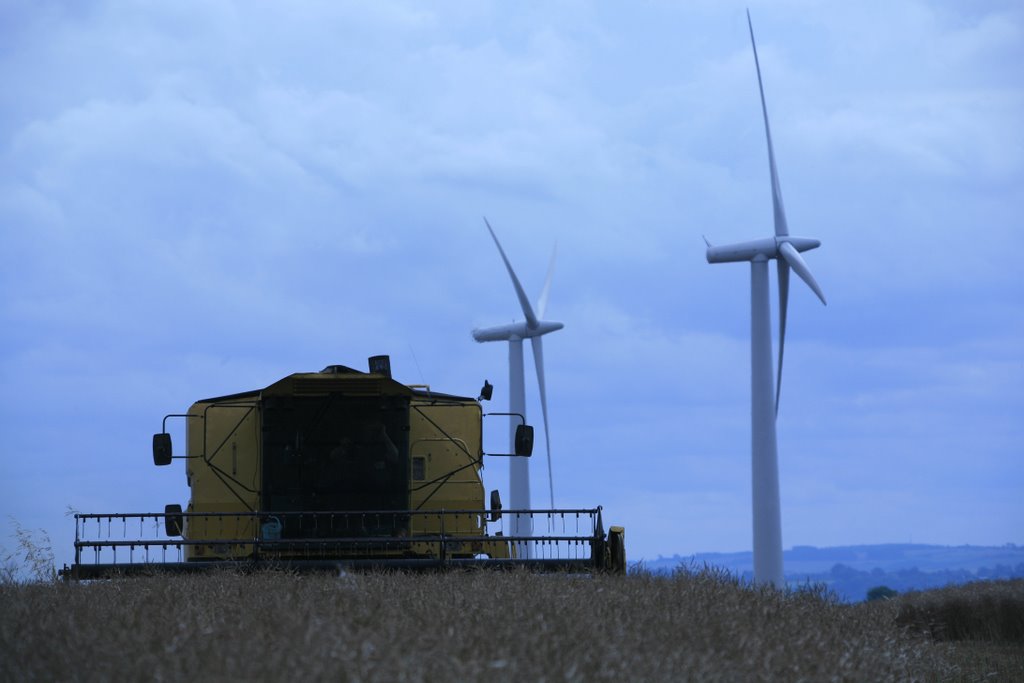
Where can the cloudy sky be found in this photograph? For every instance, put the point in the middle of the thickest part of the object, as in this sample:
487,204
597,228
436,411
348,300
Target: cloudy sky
198,198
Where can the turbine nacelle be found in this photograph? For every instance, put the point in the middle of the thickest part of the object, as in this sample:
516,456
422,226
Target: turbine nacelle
768,248
513,331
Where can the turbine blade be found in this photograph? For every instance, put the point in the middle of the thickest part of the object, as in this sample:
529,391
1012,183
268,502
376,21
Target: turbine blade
796,262
542,302
783,266
781,229
538,359
531,319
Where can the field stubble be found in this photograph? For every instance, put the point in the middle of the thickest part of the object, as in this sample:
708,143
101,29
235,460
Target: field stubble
470,626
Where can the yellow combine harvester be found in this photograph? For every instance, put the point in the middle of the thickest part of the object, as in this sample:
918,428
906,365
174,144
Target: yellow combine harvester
339,469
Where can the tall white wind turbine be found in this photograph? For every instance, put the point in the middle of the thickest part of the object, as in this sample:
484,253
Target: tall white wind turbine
514,333
785,250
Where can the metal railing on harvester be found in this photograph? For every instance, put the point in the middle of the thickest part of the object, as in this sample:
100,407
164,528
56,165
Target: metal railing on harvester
134,543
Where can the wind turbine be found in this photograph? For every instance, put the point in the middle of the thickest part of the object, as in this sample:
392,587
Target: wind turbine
514,333
785,250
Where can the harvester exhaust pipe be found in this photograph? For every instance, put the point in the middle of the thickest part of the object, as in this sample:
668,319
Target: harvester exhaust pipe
380,365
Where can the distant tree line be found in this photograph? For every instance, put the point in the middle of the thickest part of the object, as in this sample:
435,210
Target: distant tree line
853,585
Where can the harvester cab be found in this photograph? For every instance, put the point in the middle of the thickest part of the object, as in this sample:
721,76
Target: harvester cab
339,468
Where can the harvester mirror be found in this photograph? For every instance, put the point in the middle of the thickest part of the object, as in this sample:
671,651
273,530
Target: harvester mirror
524,440
162,449
495,505
485,391
173,520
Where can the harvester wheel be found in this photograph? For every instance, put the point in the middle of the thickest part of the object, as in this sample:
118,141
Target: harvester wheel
617,550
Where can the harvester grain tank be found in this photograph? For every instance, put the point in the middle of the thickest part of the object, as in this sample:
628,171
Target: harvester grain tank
339,469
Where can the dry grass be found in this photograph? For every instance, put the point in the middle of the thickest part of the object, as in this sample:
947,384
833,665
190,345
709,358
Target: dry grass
474,626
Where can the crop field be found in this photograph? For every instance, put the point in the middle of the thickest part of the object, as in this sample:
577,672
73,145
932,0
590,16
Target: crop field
498,626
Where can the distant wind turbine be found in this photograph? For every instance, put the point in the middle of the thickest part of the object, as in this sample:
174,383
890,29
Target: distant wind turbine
514,333
764,397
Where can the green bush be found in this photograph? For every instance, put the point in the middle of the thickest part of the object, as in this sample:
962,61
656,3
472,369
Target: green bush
881,593
984,610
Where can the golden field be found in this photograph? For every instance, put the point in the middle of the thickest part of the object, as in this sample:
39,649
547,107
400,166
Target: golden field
499,626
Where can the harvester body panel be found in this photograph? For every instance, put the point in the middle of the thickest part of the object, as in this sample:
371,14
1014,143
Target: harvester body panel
223,472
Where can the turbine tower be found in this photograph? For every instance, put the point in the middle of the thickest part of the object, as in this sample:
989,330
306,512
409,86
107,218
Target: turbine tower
785,250
514,333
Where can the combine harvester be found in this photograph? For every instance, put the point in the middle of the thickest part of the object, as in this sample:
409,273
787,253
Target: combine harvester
339,469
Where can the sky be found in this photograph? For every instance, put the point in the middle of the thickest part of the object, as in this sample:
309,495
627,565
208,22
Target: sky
201,197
